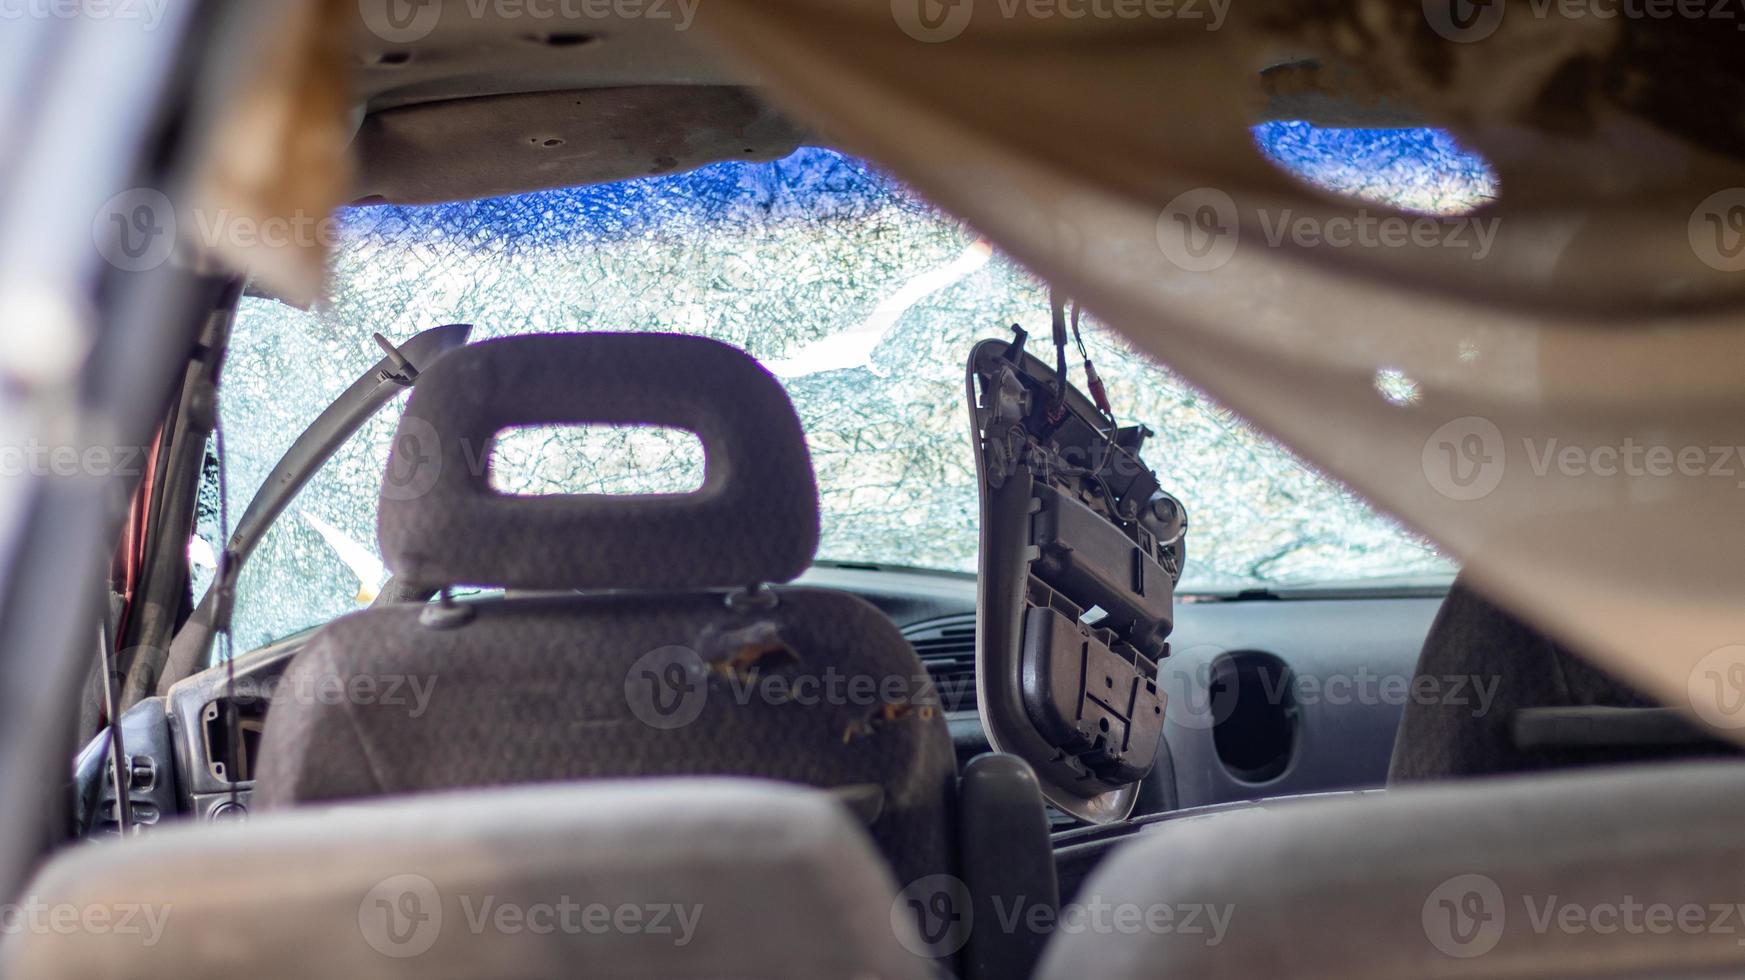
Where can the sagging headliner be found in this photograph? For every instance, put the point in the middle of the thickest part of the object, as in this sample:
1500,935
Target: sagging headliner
490,99
497,100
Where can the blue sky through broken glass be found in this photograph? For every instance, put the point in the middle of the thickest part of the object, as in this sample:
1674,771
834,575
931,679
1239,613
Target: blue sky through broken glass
861,298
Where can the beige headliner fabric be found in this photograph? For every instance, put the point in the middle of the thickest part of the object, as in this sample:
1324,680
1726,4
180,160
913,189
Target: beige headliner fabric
266,194
1602,317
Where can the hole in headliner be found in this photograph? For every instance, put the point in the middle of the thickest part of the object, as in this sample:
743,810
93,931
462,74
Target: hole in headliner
1419,170
561,39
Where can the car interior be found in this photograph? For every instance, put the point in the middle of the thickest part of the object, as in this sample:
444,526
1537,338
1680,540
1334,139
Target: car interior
673,489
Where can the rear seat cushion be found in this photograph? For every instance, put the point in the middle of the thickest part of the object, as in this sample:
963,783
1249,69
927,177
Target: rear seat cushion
1576,874
697,878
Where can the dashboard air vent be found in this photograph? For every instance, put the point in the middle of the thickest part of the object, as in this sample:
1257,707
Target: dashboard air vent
947,647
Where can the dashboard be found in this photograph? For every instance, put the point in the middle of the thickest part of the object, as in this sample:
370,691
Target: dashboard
1266,697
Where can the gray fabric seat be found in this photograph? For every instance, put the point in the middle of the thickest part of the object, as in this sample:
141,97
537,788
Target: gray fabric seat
1620,872
682,669
1474,638
651,878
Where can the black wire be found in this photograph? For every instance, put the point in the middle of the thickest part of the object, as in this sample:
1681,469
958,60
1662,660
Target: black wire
1057,303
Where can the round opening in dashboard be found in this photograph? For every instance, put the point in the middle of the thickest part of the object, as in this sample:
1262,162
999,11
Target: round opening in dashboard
1253,697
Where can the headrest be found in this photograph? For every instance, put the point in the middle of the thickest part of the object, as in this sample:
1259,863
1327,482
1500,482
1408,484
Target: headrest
754,520
680,878
1528,671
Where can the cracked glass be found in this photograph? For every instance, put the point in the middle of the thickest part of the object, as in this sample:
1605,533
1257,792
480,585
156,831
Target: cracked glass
862,299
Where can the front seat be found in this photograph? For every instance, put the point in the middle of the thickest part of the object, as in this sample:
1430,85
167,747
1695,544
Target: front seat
1544,707
680,660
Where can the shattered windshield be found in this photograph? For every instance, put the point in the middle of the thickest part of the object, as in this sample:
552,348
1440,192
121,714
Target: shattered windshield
861,298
